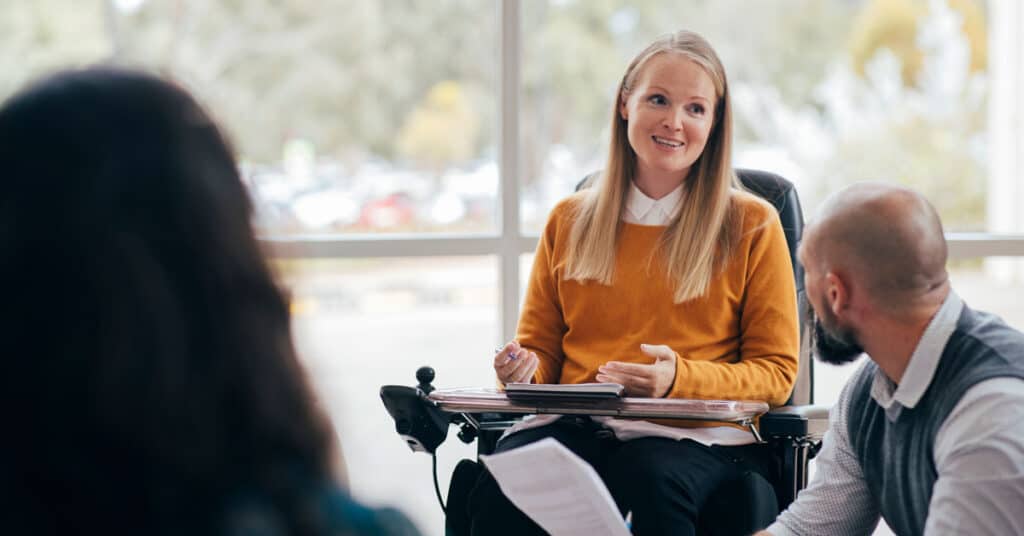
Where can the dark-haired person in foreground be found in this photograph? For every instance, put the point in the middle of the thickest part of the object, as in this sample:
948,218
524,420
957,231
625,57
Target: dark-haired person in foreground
151,382
929,433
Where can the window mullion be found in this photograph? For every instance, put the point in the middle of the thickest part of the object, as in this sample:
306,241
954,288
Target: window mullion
509,51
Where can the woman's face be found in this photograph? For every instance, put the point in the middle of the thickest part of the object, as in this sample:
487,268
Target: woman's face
669,116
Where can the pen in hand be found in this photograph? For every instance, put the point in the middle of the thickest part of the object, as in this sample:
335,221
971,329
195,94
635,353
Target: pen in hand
515,364
511,355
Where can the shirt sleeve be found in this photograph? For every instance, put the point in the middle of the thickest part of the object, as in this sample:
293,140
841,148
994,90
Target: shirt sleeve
769,329
541,324
979,457
837,501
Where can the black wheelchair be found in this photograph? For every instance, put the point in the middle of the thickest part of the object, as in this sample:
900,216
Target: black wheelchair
792,433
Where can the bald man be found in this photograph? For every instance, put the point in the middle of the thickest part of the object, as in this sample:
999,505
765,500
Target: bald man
929,433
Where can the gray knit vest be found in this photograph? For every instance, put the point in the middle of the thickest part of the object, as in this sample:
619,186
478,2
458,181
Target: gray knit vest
897,457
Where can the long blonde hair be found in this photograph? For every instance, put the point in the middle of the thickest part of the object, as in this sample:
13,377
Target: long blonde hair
701,237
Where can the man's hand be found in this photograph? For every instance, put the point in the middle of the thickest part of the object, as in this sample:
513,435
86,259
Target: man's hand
652,380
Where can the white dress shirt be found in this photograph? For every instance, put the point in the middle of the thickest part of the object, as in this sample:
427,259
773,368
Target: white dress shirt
978,454
643,210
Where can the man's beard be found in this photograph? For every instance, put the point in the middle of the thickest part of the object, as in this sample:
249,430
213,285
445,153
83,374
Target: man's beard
837,348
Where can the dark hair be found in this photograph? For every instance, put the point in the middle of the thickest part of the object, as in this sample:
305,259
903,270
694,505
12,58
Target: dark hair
149,353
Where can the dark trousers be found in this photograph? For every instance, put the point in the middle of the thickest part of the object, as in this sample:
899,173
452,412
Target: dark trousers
663,482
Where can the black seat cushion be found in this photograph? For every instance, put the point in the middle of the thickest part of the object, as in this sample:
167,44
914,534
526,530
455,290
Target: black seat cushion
782,195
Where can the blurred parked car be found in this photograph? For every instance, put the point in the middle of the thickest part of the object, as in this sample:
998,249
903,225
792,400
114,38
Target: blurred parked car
326,208
393,210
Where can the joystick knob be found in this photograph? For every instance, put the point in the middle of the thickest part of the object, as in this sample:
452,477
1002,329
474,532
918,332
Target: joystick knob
425,375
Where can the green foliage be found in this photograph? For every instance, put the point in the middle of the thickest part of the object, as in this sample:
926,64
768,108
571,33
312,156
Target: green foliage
41,36
890,24
940,154
893,25
442,130
929,157
342,74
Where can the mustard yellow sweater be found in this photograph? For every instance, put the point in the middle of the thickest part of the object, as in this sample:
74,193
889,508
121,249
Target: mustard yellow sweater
739,341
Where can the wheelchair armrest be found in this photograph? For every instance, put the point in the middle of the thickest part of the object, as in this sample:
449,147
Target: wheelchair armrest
795,421
417,420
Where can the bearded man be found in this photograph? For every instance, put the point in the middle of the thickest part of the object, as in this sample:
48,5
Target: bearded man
929,433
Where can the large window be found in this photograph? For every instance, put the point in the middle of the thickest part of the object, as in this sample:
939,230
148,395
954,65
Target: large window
403,154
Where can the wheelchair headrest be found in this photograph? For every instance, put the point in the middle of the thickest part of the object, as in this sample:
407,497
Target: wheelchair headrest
782,195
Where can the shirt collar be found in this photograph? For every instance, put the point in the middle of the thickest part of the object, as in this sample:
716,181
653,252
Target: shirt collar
643,209
923,362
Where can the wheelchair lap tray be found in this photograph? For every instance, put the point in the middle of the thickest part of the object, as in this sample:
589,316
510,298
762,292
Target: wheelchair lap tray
533,391
490,400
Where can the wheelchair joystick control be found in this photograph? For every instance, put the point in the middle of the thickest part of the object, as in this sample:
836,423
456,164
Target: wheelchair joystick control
425,375
417,420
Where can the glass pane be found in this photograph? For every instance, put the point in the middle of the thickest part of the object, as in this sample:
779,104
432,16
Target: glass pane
363,323
994,285
40,36
525,266
348,116
835,92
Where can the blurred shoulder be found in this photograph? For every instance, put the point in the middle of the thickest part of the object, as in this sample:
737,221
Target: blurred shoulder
345,513
327,510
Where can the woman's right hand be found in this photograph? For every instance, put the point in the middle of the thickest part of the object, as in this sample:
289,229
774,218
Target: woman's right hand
514,363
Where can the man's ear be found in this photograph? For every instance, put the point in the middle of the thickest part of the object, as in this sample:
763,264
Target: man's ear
837,293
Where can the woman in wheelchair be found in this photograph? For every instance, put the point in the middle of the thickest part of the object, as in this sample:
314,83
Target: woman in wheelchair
663,276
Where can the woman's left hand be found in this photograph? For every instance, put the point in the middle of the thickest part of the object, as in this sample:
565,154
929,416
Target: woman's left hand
654,380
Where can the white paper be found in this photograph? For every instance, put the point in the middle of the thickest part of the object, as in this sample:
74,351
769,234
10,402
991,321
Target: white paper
557,489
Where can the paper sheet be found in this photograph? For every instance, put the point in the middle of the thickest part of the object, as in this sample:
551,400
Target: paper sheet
557,489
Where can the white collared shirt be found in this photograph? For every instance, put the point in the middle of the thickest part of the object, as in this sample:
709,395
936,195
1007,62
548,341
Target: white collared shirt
643,210
923,362
978,454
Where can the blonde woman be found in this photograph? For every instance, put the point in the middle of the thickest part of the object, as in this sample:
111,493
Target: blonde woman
667,278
